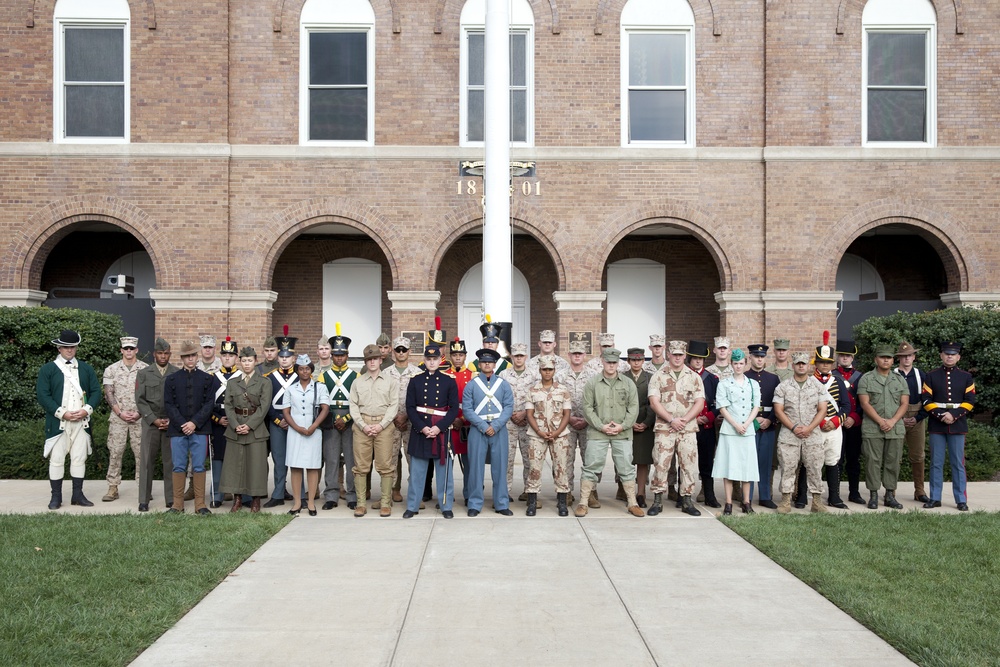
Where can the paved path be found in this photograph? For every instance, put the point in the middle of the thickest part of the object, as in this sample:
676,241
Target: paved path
493,590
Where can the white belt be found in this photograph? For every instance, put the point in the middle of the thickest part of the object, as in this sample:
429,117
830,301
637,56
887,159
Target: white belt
431,411
949,406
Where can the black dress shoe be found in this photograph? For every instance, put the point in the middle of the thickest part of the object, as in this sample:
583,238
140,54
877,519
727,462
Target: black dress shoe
799,505
312,512
448,514
747,508
855,497
641,501
288,496
931,504
963,507
727,510
295,512
409,514
839,504
505,512
473,512
330,504
204,511
215,504
143,507
922,498
274,502
352,505
769,504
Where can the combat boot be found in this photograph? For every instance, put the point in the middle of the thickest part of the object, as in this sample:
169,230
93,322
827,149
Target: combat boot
592,502
873,500
817,504
633,504
532,499
890,500
56,501
785,506
561,504
586,487
688,506
78,497
657,505
111,495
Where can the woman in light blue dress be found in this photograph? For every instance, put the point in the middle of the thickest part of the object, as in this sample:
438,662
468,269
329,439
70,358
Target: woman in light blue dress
738,401
305,440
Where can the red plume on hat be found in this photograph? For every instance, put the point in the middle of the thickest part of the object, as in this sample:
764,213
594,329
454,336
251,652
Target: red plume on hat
826,338
824,352
437,324
286,330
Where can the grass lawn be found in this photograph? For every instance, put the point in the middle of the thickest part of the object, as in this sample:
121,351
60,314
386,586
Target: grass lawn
928,584
97,590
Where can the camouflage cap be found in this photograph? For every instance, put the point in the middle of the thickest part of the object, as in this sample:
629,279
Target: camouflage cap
129,341
161,345
800,357
546,362
402,341
208,341
722,341
519,349
677,347
657,339
577,347
547,336
606,339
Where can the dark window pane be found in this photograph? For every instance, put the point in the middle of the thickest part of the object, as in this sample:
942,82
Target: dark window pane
476,113
95,111
656,115
656,60
518,115
477,58
518,60
896,59
95,54
897,115
338,58
338,114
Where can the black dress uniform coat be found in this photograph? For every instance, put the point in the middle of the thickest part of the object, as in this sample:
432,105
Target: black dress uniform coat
430,390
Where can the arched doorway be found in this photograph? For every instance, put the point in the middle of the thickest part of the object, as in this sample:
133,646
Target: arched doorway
470,306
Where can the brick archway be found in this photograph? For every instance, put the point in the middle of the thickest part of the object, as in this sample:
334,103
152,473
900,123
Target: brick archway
259,269
449,11
943,234
381,7
855,7
50,6
30,246
704,11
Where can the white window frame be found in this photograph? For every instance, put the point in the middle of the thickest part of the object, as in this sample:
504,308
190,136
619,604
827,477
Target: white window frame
659,17
349,16
913,17
473,20
88,14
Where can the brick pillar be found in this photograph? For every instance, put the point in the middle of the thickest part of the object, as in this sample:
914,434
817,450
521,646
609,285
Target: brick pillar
413,310
741,317
579,313
244,315
802,317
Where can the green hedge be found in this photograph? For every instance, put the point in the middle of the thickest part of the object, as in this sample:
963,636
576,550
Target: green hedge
21,452
26,336
978,329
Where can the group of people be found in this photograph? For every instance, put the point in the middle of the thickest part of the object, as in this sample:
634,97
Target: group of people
669,413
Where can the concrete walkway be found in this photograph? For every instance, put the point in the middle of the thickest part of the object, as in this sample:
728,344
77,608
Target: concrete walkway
494,590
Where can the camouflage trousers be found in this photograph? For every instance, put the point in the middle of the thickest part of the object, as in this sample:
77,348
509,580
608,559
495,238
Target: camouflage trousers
811,452
558,451
577,441
518,439
118,433
685,445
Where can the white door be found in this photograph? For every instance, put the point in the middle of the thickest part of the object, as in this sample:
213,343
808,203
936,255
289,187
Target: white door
470,308
637,296
352,295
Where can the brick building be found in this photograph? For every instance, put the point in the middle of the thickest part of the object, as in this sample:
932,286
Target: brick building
755,168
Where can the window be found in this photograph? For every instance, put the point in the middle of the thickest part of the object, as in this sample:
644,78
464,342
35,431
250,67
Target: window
473,52
91,68
337,66
899,66
657,66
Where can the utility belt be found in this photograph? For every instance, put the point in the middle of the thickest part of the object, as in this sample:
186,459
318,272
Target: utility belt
244,412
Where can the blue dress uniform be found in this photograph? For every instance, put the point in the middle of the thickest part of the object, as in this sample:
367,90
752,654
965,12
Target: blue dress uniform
431,400
765,437
488,402
948,390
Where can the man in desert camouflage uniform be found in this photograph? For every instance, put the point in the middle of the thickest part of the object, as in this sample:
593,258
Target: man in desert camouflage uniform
721,368
125,423
800,405
656,349
521,379
547,348
547,408
677,396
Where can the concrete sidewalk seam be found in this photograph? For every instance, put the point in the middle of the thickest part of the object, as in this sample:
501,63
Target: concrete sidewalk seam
413,588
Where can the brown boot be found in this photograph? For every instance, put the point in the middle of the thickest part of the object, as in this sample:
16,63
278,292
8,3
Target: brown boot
592,501
817,504
385,502
189,494
238,502
633,505
586,487
255,505
112,494
785,506
198,481
178,478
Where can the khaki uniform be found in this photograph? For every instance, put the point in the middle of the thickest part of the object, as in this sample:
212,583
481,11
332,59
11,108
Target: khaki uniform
574,383
400,436
799,404
548,406
120,433
518,437
374,401
677,394
244,470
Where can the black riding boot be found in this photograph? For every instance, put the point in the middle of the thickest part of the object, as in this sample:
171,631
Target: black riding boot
56,501
78,497
801,497
833,481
